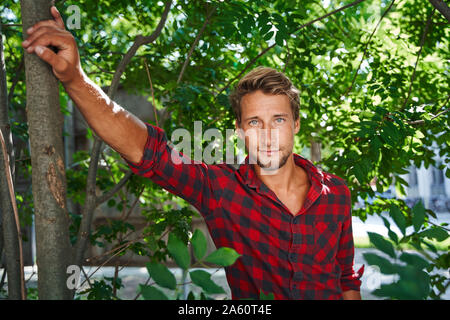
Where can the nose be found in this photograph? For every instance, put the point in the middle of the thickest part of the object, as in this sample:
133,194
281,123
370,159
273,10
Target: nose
269,138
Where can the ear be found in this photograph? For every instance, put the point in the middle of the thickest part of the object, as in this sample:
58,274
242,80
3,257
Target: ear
236,124
297,125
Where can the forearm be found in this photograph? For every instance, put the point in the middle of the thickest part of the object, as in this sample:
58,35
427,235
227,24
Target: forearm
124,132
351,295
117,127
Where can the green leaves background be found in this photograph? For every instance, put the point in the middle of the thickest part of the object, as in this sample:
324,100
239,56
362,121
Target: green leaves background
378,104
179,251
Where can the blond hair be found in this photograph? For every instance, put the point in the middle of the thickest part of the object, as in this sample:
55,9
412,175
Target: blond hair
270,81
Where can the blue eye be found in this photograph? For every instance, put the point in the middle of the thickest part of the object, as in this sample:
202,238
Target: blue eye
282,120
253,122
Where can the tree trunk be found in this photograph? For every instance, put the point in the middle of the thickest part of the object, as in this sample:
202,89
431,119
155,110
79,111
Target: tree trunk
45,122
316,155
10,237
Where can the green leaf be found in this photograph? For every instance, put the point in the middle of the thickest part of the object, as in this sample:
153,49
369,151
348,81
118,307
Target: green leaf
264,29
414,283
199,244
359,174
268,35
392,235
279,39
414,260
162,275
385,265
191,296
152,293
418,215
437,233
388,290
263,296
381,244
398,218
203,279
430,246
179,251
223,257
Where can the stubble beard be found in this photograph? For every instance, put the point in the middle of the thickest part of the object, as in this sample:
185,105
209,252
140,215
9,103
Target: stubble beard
272,165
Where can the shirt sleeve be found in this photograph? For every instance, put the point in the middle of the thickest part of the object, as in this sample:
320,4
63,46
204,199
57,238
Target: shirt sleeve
173,171
350,280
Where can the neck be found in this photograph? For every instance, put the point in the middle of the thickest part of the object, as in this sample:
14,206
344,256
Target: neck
284,179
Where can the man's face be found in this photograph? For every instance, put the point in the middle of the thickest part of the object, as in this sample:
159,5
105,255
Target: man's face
269,128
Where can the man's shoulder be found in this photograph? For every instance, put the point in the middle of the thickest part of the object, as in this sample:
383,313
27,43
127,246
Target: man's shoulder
335,183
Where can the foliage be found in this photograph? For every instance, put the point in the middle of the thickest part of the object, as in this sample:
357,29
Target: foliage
416,273
374,91
165,285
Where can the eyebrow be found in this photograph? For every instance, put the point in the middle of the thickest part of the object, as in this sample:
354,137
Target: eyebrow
274,116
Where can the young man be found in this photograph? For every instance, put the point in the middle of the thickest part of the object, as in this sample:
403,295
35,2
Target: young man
290,221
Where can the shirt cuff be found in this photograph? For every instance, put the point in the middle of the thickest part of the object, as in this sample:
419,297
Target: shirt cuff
144,166
352,282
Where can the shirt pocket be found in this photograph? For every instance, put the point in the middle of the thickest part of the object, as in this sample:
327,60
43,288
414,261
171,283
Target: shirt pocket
326,241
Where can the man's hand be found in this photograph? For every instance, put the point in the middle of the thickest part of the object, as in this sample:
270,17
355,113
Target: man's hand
351,295
120,129
66,62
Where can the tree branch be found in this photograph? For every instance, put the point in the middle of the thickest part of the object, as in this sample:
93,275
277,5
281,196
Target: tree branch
138,42
197,39
327,15
15,80
365,49
110,193
10,226
151,91
91,200
332,18
11,25
422,41
251,62
442,8
420,122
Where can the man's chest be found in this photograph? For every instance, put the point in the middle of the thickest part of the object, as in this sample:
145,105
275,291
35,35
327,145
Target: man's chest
261,214
295,199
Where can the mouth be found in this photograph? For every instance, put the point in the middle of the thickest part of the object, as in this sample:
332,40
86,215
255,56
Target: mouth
269,152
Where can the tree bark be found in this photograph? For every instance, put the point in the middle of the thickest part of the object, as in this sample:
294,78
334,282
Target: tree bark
45,122
10,236
442,8
316,155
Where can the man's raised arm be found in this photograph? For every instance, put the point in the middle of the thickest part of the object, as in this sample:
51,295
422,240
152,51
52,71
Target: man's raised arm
117,127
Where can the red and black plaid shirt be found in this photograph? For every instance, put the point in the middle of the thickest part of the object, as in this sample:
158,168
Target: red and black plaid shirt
306,256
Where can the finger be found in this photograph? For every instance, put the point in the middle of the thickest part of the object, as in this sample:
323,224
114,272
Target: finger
57,40
36,34
58,19
57,63
40,24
